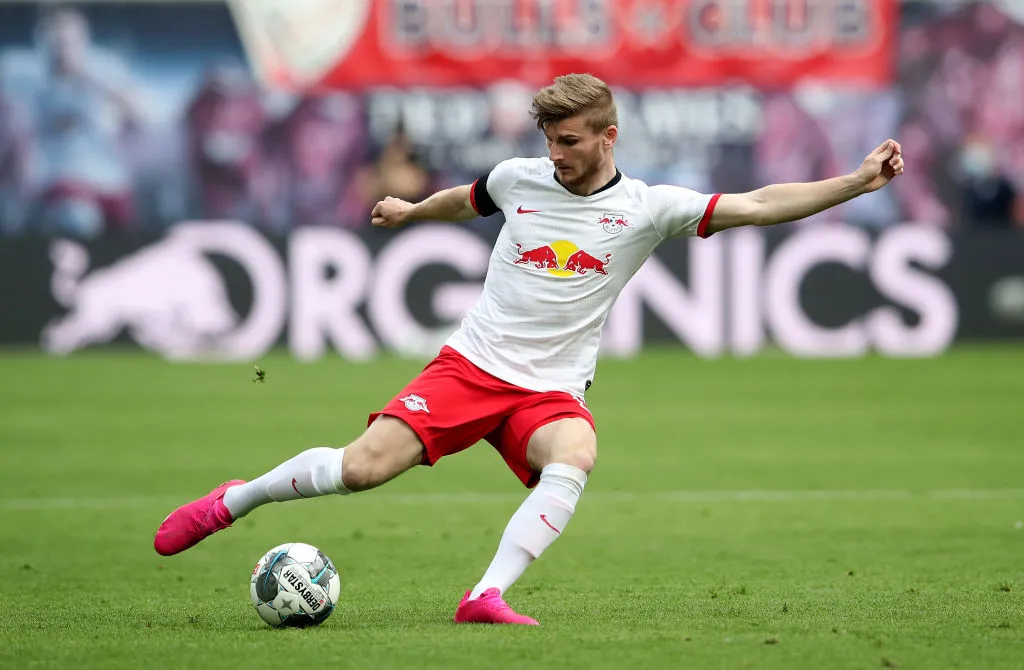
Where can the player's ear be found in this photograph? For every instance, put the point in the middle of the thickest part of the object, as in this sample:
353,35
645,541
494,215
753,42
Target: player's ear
611,133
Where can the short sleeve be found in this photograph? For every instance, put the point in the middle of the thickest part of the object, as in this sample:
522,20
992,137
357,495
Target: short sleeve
489,194
678,211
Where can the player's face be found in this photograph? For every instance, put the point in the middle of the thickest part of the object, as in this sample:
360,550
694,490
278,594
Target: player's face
577,151
68,39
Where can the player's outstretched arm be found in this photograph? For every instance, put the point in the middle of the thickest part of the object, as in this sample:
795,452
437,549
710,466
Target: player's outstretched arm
780,203
453,204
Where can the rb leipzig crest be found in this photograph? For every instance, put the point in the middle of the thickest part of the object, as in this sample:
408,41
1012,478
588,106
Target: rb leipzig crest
613,222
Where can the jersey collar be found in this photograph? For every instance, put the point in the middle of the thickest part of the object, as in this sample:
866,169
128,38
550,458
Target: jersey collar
614,180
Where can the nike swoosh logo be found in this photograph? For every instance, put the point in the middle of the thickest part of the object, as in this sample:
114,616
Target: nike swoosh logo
527,211
548,523
296,488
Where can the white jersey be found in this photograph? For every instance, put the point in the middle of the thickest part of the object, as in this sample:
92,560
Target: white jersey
558,265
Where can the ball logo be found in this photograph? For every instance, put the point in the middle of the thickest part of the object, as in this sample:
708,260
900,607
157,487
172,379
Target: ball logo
303,590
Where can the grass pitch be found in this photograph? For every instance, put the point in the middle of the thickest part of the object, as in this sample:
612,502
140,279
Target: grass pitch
769,513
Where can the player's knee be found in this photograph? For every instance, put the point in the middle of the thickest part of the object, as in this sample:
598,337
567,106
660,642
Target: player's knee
580,454
568,441
583,457
367,464
358,469
387,449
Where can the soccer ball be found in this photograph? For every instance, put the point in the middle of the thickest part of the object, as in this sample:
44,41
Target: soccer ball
294,584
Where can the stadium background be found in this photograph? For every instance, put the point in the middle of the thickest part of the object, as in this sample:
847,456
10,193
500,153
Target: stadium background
181,131
198,191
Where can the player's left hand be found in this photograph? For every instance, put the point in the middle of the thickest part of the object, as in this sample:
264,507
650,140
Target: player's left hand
881,165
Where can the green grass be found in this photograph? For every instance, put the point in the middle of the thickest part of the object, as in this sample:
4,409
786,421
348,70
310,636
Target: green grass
769,513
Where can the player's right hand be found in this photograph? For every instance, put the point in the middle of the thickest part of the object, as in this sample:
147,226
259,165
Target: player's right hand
391,213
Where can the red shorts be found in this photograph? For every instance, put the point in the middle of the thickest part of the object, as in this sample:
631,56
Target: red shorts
453,404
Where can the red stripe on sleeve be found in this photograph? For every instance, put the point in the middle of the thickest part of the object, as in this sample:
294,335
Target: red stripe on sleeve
702,227
472,196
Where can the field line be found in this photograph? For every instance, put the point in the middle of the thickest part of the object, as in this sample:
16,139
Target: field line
436,498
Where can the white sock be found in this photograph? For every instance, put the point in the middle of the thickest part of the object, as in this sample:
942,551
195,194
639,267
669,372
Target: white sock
314,472
536,524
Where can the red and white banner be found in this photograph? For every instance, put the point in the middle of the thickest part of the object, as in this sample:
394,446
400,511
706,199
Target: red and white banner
634,43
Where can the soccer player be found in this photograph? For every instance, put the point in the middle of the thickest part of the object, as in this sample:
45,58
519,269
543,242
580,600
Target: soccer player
514,374
86,179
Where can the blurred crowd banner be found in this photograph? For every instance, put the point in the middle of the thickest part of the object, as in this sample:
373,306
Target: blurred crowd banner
224,291
133,116
356,43
131,132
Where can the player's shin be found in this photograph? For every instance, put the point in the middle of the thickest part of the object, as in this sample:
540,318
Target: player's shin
314,472
537,523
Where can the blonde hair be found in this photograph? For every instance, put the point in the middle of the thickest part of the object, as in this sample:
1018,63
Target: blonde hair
574,94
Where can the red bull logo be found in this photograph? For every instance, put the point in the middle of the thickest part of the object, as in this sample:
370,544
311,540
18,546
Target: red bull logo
581,261
562,259
541,257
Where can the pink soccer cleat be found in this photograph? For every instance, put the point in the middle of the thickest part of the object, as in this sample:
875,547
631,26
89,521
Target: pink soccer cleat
189,524
489,608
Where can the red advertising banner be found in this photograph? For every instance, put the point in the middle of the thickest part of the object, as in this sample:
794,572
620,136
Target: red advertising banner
636,43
